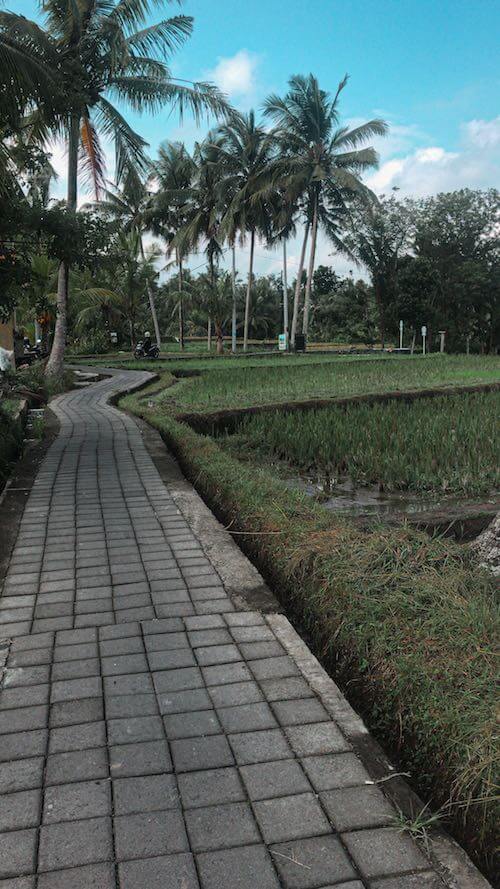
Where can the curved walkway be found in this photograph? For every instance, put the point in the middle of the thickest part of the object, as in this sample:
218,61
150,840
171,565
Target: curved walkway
151,736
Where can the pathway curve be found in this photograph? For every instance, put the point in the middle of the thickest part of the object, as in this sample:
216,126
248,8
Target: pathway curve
151,736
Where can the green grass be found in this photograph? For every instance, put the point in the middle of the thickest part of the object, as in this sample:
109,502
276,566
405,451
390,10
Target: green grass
271,381
447,445
405,622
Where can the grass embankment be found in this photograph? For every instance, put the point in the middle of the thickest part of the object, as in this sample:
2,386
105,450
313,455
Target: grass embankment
406,623
237,383
447,445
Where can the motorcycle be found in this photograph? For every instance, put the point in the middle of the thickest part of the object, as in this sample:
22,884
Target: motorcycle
151,354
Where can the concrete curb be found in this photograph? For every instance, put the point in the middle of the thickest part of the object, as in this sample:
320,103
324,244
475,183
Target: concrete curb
451,862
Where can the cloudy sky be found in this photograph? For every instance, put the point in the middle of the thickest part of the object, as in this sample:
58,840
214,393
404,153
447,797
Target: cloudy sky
429,67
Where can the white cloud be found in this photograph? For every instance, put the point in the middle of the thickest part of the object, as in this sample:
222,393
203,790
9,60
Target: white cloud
430,169
236,75
59,160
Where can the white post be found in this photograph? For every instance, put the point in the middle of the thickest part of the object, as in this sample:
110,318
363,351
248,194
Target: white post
401,326
233,282
442,334
424,334
285,295
38,331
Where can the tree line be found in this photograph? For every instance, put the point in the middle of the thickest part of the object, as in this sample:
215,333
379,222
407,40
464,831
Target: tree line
298,172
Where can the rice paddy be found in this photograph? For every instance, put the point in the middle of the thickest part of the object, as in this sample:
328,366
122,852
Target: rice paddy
447,445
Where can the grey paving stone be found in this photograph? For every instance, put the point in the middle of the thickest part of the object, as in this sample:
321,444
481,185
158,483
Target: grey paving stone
383,851
285,689
150,834
177,680
70,802
78,765
76,669
247,718
299,712
252,747
76,652
75,712
77,737
290,818
75,689
19,810
217,654
192,724
146,758
226,673
171,660
252,651
131,684
314,862
220,827
74,843
271,779
336,770
97,876
127,645
184,701
21,774
410,881
237,869
26,676
18,883
316,738
23,744
29,696
199,638
193,754
29,657
153,793
235,694
209,787
17,852
259,633
131,705
134,729
349,808
204,622
175,871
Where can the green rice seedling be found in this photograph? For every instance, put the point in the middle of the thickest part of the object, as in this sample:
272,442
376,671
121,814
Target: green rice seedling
449,444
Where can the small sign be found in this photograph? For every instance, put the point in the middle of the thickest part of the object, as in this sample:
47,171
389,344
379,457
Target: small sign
282,342
424,330
113,337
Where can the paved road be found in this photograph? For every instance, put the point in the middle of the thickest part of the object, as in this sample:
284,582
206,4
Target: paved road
153,737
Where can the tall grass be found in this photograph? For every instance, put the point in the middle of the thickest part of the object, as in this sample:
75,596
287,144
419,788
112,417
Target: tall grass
449,444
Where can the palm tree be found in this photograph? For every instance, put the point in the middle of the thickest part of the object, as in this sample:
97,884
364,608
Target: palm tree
320,160
203,212
131,205
216,299
105,51
174,170
244,151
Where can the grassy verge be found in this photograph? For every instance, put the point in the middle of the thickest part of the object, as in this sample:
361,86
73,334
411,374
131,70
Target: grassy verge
446,445
406,623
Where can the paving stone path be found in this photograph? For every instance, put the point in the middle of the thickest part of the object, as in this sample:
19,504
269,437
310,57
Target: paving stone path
151,736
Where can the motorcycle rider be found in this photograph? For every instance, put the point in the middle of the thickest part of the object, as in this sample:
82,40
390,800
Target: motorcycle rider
147,342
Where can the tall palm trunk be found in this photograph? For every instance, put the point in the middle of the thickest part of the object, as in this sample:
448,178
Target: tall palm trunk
55,364
249,291
310,271
181,303
298,285
151,298
379,300
219,336
285,295
212,284
233,285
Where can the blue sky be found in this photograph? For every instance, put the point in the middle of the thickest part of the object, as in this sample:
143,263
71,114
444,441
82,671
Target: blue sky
429,67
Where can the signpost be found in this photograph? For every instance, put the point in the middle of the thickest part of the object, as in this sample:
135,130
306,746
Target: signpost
282,342
442,334
401,326
424,335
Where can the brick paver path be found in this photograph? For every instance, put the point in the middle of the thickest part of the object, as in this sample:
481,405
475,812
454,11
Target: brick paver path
152,737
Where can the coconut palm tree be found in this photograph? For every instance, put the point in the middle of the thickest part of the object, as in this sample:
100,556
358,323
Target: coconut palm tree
216,298
106,51
130,204
320,160
174,171
243,152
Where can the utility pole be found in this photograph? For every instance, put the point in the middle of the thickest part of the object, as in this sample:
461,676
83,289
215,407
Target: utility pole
285,296
233,282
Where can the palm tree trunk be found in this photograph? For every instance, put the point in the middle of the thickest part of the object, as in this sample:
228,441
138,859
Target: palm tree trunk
151,298
298,285
219,336
55,364
285,295
249,291
310,272
379,299
181,304
233,284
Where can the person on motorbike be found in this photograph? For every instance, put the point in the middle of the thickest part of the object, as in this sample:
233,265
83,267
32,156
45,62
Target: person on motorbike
147,342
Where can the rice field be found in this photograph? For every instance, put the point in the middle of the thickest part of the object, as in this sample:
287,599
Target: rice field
449,444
